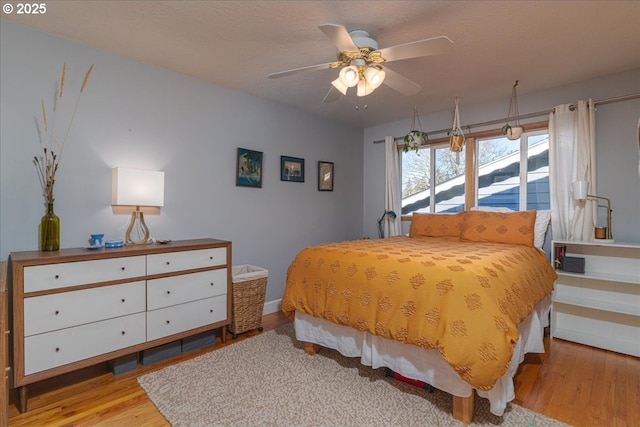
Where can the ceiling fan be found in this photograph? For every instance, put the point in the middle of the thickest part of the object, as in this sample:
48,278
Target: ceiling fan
361,62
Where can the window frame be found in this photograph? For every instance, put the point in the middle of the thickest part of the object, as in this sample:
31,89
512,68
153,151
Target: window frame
471,176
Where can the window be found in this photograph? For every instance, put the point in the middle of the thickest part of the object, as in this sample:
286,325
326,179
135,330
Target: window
513,174
433,164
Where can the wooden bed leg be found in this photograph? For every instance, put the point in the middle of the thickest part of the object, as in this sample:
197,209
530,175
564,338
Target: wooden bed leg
311,348
463,408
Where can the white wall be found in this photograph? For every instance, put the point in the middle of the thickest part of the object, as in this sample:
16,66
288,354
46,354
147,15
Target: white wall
136,115
616,146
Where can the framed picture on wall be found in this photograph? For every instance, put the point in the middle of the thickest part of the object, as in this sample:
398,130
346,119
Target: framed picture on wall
291,169
249,168
325,176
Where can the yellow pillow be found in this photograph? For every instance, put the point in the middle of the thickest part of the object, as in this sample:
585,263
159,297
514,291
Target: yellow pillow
436,225
498,227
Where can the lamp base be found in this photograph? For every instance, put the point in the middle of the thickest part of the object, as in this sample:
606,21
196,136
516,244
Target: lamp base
137,222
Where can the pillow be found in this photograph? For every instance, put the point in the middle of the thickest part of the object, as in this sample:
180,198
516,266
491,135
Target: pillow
499,227
436,225
543,219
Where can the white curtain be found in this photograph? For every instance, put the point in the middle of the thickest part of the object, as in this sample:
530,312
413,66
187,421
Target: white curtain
392,197
572,154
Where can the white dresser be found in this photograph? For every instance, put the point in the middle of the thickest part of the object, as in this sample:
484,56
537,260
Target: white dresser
78,307
600,307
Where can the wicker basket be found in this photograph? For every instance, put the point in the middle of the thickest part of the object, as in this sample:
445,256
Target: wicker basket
247,303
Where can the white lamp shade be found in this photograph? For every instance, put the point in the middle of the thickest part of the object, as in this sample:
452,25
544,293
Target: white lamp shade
364,88
134,187
349,76
337,83
375,76
580,189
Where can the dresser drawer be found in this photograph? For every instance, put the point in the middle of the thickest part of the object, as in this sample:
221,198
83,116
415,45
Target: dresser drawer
55,276
62,310
46,351
186,260
187,287
178,318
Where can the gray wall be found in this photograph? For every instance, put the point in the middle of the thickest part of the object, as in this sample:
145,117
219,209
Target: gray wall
135,115
616,144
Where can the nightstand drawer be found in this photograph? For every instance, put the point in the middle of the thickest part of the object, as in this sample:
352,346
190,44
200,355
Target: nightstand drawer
186,260
62,275
179,318
187,287
62,310
46,351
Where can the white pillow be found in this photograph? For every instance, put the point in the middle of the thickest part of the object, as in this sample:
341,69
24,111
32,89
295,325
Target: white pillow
543,218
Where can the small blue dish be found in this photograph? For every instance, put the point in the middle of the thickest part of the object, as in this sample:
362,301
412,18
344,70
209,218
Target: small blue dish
114,243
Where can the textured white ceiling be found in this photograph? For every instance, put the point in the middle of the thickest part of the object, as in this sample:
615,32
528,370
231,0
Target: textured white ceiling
542,44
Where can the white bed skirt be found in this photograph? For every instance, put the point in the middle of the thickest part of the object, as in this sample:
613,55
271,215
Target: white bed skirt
421,364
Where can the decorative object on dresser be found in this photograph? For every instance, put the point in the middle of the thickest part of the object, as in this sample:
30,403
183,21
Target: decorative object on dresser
52,143
601,306
133,187
580,190
76,308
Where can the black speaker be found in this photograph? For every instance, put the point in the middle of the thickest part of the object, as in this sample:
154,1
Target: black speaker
573,264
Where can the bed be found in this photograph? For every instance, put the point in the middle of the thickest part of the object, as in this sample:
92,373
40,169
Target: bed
456,303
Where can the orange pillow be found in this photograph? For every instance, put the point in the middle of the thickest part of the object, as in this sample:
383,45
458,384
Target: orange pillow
498,227
436,225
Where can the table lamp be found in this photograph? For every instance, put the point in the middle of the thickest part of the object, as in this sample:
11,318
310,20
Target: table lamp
580,191
134,187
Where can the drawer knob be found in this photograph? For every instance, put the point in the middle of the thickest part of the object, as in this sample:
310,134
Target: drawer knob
57,276
168,292
211,283
210,310
57,312
168,321
123,332
123,268
123,300
57,349
168,263
210,257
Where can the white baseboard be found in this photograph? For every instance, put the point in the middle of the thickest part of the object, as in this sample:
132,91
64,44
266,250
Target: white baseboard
271,306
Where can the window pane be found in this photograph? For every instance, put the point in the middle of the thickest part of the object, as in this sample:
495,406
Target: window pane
416,170
449,178
499,173
538,172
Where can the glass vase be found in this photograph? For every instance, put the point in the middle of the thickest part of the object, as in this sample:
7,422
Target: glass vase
50,230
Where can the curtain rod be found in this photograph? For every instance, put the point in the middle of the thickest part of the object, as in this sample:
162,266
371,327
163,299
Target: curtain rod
524,116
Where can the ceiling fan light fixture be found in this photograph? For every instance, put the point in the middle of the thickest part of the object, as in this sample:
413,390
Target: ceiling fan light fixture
349,75
364,88
374,76
338,84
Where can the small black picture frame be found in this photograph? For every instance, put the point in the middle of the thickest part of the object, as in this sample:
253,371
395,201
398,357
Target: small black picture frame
325,176
249,168
291,169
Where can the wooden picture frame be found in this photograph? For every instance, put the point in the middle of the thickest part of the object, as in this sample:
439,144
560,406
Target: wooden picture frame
325,176
249,168
291,169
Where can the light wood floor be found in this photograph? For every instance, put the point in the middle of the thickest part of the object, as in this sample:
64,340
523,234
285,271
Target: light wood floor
576,384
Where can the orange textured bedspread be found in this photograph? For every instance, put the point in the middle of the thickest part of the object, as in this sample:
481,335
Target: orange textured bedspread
463,298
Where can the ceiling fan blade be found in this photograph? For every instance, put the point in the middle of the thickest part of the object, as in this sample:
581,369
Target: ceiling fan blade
339,36
427,47
300,70
400,83
332,96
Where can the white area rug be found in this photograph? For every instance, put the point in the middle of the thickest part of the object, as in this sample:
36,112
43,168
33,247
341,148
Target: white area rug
268,380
